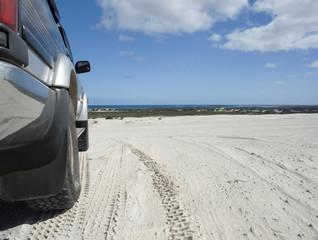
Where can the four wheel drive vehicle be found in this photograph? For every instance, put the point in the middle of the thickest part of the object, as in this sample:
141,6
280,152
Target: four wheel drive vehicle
43,109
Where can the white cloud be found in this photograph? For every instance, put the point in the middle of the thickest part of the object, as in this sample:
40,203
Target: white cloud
278,83
305,59
302,75
294,26
125,38
312,73
140,58
314,64
215,38
126,53
167,16
270,65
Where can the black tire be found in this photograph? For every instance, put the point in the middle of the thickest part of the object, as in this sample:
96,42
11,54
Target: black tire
72,187
83,141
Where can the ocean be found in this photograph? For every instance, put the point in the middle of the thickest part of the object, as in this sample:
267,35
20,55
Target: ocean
173,106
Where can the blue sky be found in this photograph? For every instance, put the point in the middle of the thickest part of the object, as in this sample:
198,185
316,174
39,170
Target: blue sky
195,51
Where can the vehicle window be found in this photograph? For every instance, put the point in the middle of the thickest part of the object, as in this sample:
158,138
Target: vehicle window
66,42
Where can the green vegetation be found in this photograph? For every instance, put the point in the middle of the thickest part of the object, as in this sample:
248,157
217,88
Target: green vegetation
195,111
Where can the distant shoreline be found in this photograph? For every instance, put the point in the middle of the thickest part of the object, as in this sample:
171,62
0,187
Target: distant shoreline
132,106
122,111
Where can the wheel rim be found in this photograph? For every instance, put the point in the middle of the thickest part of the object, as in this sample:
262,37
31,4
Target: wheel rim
73,167
71,154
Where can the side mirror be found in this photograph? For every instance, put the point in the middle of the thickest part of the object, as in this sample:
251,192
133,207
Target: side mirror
82,67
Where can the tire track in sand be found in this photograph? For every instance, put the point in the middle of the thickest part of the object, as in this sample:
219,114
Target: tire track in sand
102,197
90,217
181,224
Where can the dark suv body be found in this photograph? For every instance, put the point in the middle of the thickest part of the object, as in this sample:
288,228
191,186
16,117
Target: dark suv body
43,109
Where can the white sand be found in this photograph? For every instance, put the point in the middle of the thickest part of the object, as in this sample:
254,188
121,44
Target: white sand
214,177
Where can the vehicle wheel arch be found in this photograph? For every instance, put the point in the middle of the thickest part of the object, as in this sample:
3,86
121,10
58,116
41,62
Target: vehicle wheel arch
65,77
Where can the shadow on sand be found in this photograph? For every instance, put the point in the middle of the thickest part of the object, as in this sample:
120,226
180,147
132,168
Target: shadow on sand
13,214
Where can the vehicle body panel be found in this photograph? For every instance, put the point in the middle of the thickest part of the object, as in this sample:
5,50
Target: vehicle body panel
37,79
23,100
40,30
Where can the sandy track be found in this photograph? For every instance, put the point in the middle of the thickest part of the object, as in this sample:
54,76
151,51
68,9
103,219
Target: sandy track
218,177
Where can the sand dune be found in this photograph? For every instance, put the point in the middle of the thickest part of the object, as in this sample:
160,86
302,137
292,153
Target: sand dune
213,177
